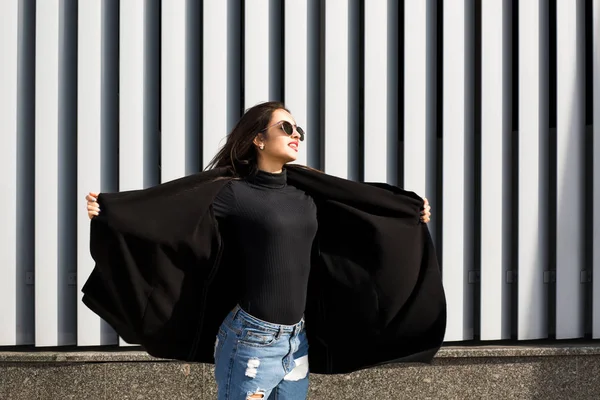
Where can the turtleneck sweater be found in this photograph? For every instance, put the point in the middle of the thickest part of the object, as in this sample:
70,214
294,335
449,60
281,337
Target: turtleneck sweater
268,228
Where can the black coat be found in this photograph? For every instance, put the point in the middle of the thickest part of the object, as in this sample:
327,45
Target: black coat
162,277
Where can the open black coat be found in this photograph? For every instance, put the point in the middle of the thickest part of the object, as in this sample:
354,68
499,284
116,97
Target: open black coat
162,277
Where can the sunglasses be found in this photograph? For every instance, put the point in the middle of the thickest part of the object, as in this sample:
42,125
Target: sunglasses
288,128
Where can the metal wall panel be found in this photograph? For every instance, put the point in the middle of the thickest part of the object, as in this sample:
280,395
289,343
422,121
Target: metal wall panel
378,163
416,94
138,83
173,89
596,163
221,68
89,145
496,131
315,88
46,187
8,164
296,68
336,103
258,52
131,94
457,192
156,85
55,297
533,170
420,90
215,82
570,251
25,213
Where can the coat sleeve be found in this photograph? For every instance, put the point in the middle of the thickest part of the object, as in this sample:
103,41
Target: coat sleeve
145,244
377,267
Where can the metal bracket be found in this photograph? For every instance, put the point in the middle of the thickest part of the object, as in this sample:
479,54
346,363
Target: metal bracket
586,276
72,278
29,278
549,276
474,276
512,276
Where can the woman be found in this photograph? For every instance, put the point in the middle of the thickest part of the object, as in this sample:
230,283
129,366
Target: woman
268,229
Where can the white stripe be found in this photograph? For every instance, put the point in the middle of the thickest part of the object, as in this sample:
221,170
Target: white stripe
8,165
533,176
496,126
570,249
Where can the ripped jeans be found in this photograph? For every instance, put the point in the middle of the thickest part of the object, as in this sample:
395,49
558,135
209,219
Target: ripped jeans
255,359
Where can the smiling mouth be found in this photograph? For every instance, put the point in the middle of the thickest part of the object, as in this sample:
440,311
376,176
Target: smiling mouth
294,146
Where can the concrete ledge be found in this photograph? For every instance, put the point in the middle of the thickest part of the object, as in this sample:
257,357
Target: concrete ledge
479,372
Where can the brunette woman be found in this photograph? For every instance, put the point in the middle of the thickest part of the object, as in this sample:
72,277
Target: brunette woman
268,228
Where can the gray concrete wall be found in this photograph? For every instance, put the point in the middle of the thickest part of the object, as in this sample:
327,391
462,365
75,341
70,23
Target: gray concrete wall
566,372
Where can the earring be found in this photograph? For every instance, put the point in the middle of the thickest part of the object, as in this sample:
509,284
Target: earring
262,147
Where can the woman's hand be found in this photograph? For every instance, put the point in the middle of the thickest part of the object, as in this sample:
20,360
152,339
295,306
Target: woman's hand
92,206
426,211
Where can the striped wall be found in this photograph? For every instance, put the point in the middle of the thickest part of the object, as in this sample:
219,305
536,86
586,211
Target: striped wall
485,107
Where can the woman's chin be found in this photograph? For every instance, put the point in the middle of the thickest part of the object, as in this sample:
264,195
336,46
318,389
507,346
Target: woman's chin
291,157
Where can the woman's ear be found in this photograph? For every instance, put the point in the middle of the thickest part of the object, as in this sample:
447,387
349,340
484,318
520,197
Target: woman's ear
258,141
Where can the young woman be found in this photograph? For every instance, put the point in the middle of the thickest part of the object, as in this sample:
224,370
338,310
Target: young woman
268,229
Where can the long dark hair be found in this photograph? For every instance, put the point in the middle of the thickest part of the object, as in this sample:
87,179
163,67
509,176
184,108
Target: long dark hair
239,151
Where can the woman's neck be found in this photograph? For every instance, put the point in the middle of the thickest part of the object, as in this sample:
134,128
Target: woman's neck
272,167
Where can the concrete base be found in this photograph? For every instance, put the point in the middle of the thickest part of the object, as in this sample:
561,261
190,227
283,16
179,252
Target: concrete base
540,372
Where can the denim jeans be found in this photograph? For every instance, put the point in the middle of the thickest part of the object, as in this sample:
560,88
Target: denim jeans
255,359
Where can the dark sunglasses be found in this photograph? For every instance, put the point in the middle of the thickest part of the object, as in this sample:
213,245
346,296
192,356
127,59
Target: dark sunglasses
288,128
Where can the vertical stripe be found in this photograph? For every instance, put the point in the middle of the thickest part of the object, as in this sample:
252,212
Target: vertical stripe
457,166
315,87
8,165
131,95
121,95
416,123
420,119
420,98
54,275
336,88
46,177
257,54
173,86
377,141
215,82
496,127
110,114
533,171
596,172
89,171
132,79
193,86
570,168
221,71
296,68
25,233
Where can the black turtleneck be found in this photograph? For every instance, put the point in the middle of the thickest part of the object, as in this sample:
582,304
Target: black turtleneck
270,227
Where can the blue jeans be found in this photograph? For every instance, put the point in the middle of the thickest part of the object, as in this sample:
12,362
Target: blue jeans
255,359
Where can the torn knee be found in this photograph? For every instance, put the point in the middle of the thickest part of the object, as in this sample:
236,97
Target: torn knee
259,394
